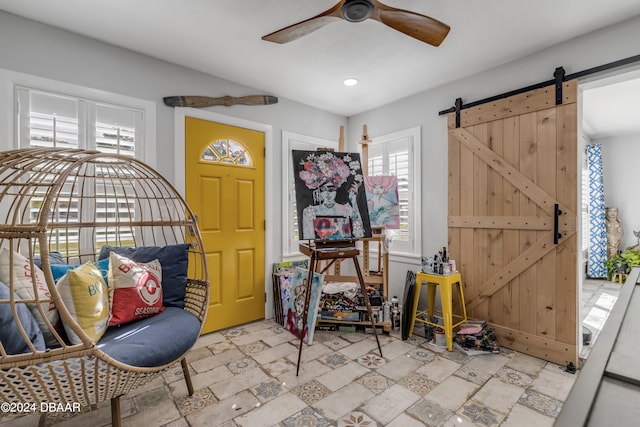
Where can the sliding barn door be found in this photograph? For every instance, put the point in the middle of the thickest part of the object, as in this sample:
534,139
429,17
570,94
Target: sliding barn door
512,218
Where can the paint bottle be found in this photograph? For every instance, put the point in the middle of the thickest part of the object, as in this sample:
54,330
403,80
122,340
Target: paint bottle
395,318
386,312
395,313
396,321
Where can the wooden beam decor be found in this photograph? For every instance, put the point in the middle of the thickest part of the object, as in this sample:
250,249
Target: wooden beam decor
525,260
227,101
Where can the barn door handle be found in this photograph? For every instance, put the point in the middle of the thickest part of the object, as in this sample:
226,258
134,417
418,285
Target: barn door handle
556,214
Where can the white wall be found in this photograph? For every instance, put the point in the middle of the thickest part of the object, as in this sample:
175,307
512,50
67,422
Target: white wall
597,48
620,160
37,49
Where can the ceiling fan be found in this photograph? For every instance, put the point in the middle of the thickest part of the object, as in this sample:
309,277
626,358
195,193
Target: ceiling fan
421,27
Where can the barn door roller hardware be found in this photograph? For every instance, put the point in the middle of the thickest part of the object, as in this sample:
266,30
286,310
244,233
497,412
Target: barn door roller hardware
559,77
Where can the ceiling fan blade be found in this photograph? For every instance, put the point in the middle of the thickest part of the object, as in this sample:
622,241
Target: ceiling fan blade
421,27
295,31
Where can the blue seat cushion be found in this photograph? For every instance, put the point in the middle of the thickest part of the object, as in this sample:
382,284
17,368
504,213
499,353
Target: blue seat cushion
153,341
10,335
174,260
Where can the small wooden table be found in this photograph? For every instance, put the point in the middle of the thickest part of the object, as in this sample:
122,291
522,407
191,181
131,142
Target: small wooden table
319,251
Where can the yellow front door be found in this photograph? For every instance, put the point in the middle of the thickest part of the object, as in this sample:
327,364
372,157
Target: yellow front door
224,182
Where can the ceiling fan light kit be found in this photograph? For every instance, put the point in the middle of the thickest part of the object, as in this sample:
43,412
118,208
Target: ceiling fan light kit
356,10
420,27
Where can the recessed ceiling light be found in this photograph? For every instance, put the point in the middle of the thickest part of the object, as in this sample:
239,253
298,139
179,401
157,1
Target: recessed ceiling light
350,82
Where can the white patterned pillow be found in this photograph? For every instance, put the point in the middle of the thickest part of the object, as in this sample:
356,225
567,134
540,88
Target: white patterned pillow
23,280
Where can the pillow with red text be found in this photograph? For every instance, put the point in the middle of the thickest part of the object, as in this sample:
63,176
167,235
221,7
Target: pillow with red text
135,289
28,280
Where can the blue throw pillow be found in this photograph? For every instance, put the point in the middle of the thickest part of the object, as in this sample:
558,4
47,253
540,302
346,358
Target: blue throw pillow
59,270
10,336
174,260
54,258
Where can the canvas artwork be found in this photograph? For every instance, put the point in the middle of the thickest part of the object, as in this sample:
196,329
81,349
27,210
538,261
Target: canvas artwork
282,276
295,322
382,201
286,278
332,227
330,185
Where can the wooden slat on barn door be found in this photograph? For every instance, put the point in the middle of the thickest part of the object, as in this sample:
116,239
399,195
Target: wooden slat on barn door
510,162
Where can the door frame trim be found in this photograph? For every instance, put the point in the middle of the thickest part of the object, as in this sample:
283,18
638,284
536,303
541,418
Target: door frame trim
180,114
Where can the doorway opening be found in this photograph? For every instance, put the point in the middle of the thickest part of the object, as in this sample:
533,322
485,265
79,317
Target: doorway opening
609,124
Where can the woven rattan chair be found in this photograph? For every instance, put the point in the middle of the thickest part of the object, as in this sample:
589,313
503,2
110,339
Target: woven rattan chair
70,203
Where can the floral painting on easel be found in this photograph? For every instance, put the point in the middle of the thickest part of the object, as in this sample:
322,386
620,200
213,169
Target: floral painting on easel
330,185
382,200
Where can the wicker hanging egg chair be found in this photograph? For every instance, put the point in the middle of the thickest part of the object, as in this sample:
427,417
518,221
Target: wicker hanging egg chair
67,208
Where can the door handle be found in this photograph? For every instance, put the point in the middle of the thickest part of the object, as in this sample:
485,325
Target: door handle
556,214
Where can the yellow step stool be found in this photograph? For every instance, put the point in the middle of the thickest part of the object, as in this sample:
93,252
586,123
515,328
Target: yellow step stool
445,282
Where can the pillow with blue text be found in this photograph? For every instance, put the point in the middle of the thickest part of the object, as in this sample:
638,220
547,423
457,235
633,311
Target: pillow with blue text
86,296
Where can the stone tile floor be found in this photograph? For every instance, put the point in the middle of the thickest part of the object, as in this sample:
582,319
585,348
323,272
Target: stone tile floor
598,299
246,376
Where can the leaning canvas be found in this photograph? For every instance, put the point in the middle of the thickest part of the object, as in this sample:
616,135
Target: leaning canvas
382,201
286,278
295,311
330,184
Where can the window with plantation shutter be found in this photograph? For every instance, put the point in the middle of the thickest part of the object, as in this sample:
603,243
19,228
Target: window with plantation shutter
293,141
47,119
115,129
398,154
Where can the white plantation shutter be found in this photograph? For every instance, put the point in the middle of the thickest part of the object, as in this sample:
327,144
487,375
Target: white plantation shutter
115,129
47,119
387,159
398,154
50,121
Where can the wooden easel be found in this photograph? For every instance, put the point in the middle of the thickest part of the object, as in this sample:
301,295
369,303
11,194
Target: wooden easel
331,250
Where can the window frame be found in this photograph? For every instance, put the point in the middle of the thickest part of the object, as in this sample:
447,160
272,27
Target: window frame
16,87
294,141
412,249
11,80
